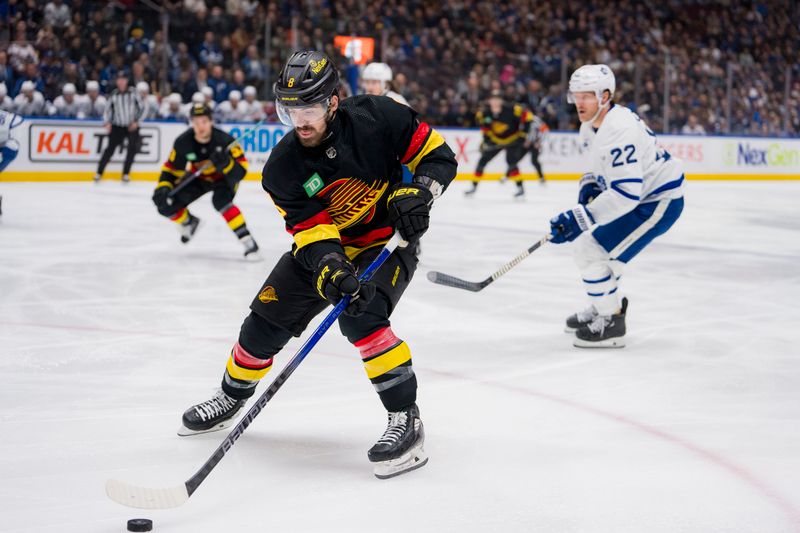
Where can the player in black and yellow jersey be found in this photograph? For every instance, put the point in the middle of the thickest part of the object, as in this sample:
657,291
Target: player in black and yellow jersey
337,181
193,149
504,127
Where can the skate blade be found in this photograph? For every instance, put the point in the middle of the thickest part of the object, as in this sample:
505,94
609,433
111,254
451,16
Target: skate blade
411,460
615,342
183,431
253,257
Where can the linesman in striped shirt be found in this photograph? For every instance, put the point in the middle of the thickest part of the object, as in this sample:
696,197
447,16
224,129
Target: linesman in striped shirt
122,116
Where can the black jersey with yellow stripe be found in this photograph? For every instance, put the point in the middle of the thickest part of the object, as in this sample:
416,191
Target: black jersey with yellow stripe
333,196
510,125
188,155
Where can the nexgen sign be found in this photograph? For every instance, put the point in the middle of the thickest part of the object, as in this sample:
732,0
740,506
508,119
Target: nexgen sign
78,142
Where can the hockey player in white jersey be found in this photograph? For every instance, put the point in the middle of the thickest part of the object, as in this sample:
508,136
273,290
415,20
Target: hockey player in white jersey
377,78
149,101
631,194
255,111
6,103
232,109
9,147
68,104
93,104
29,101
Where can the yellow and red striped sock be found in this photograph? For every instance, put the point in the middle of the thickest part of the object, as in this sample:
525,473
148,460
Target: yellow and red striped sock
181,216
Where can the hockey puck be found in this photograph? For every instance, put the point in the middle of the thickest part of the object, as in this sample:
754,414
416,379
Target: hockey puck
140,524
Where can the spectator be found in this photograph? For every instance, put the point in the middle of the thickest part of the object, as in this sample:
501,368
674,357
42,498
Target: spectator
29,102
29,74
6,72
21,51
219,84
210,52
254,69
56,14
692,127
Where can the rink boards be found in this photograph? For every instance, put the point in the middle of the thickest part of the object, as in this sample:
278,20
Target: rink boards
68,150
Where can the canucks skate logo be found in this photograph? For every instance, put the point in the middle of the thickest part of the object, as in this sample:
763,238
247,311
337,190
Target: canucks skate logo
601,181
268,295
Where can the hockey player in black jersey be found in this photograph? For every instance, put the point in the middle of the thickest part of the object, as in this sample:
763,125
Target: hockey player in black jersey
192,149
504,127
337,181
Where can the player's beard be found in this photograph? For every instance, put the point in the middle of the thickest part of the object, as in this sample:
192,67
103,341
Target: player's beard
317,133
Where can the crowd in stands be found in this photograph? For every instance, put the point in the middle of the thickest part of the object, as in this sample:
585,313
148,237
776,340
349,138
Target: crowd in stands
719,58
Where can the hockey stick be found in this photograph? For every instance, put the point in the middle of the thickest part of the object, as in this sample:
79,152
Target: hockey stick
148,498
193,176
475,286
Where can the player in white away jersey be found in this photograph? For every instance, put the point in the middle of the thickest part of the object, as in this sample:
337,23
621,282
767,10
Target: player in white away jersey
632,193
377,79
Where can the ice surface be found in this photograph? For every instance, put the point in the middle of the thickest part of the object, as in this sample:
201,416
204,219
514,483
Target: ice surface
110,328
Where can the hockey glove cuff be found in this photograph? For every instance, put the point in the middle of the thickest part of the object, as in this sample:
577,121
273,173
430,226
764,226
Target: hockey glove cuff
568,225
335,277
588,189
409,210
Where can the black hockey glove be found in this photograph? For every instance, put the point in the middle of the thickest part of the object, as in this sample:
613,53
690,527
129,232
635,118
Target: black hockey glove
335,277
161,199
409,210
221,159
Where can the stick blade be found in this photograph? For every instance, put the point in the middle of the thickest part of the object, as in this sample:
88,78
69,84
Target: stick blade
451,281
144,498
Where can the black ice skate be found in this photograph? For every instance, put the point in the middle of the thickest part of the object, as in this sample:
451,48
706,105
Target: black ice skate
581,318
519,194
603,331
472,191
399,450
250,248
212,415
188,228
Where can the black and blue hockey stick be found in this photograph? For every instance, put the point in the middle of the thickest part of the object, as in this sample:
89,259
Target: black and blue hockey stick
147,498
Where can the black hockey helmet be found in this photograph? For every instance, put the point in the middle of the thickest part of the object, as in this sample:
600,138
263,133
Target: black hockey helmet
200,110
309,77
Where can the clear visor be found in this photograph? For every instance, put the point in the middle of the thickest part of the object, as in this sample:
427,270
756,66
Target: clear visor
298,116
574,97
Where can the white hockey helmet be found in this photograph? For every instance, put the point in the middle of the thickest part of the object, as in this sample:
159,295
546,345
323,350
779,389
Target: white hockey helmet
592,78
249,91
27,86
198,98
234,96
92,85
68,88
142,87
3,90
174,98
207,91
377,71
